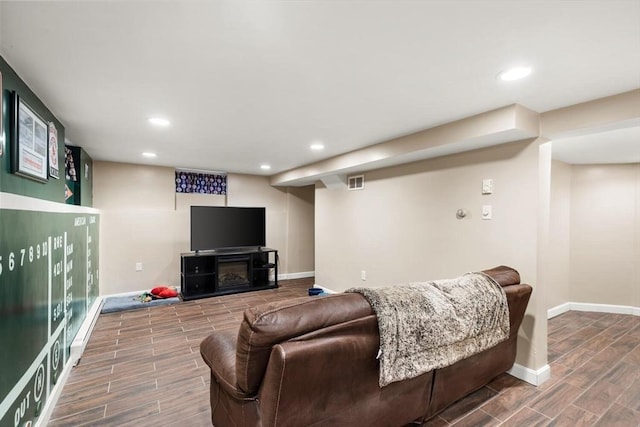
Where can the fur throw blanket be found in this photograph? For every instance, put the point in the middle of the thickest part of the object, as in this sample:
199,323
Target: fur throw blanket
429,325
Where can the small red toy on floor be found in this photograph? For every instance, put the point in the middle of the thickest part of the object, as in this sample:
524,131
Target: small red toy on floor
164,292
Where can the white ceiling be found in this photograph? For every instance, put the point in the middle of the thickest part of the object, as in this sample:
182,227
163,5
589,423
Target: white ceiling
252,82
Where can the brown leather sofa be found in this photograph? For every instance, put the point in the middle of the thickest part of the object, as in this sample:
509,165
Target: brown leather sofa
312,362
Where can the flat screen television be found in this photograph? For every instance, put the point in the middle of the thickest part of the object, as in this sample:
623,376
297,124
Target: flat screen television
217,227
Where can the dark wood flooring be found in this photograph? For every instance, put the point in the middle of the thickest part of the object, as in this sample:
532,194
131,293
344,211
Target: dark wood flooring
143,368
595,380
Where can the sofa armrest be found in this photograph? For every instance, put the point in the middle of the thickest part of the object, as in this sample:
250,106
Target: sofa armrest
218,350
518,299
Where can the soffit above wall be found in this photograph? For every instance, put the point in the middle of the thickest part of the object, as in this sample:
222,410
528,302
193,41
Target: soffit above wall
508,124
607,147
602,131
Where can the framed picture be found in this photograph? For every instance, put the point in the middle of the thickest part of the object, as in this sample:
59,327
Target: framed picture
54,170
29,142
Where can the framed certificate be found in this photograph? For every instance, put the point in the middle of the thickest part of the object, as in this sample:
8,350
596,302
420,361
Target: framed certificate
30,137
54,170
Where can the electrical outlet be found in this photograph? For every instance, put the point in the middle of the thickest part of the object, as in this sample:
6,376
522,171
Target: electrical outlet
138,266
363,275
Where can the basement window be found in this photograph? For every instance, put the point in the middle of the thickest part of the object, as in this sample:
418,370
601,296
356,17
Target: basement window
355,182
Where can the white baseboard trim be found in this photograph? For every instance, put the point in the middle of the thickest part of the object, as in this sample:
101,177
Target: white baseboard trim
529,375
136,293
77,348
56,391
125,294
558,310
599,308
326,290
284,276
84,333
299,275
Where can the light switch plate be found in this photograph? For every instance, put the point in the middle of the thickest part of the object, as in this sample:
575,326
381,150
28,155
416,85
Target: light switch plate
487,186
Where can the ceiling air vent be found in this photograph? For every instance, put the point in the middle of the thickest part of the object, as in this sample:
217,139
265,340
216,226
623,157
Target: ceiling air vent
356,182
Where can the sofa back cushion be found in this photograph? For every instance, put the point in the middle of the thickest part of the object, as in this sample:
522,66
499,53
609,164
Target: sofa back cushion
269,324
503,275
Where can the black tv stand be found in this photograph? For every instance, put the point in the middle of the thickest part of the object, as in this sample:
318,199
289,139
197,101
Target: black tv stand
227,271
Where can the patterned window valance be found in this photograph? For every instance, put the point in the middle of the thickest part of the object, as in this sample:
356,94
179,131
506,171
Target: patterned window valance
201,182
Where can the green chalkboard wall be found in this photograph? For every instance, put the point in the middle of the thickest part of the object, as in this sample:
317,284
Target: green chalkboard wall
53,189
49,276
48,281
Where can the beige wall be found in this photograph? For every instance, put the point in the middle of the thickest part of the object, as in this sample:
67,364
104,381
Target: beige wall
300,244
560,227
598,206
403,227
143,220
605,234
290,220
595,235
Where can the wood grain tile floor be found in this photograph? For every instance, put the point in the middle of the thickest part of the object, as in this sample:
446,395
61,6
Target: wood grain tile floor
595,380
143,368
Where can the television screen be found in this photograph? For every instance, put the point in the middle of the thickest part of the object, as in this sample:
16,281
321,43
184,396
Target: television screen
217,227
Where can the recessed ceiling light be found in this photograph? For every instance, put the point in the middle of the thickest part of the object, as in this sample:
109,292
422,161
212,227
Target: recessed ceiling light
317,146
265,167
159,121
516,73
149,154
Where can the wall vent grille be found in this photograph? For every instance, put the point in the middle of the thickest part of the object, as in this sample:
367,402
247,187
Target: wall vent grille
355,182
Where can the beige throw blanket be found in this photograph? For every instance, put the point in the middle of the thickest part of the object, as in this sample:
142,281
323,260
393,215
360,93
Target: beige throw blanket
429,325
